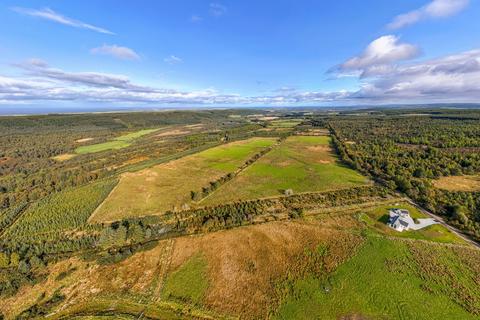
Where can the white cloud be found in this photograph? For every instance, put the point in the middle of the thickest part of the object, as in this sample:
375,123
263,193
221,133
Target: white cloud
119,52
173,59
217,9
451,77
378,56
39,68
434,9
51,15
196,18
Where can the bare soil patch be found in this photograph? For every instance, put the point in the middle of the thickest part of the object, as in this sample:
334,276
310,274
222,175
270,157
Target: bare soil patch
83,140
4,160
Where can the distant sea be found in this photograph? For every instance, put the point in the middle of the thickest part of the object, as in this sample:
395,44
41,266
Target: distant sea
6,110
41,110
29,110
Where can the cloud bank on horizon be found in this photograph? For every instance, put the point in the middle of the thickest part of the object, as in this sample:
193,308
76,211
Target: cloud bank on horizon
388,70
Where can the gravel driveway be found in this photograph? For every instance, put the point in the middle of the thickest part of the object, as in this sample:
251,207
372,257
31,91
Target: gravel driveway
422,223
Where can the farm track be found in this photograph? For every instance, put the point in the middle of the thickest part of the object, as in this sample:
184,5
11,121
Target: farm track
150,311
163,267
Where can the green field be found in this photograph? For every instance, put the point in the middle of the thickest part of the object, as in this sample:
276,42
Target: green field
188,283
301,163
168,186
389,280
289,123
117,143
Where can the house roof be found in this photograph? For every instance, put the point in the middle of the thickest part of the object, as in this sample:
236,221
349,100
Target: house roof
394,219
403,222
399,221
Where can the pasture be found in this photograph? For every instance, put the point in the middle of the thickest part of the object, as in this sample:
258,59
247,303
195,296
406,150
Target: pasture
168,186
288,123
458,183
300,163
117,143
390,279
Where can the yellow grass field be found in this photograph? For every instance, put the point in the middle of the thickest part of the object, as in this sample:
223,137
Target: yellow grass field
64,157
458,183
167,186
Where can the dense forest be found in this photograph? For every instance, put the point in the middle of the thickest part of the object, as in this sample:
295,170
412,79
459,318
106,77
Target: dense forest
407,150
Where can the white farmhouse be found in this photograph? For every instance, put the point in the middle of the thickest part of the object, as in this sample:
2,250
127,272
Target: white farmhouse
399,219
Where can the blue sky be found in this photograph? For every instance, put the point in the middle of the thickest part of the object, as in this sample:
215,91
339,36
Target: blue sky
238,53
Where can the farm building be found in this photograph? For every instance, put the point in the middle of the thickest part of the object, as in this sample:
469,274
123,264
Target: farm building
399,219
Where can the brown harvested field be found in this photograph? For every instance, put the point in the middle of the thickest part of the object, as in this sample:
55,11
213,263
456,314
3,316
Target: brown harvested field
458,183
168,186
64,157
245,263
